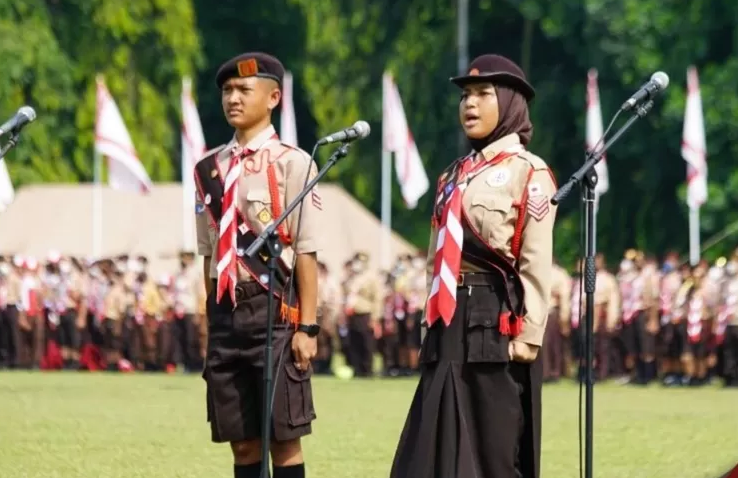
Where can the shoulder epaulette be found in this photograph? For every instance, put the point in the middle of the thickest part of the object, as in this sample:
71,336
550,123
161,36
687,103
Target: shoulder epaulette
290,147
536,162
211,152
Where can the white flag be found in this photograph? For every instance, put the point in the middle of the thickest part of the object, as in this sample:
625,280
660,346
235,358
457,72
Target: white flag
594,133
287,123
397,138
7,194
694,148
193,149
125,171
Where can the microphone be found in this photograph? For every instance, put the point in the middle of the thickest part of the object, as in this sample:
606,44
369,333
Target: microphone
658,83
359,130
25,115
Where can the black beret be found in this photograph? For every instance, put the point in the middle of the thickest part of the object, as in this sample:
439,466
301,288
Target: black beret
256,64
496,69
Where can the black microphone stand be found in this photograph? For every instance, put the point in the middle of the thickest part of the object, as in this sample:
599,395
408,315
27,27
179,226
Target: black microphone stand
12,141
587,177
269,244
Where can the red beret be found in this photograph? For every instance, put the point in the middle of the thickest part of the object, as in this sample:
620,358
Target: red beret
496,69
256,64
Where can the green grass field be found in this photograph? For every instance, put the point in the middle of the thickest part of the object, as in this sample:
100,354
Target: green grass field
100,425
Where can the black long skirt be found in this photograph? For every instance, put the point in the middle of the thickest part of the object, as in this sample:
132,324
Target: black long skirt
474,414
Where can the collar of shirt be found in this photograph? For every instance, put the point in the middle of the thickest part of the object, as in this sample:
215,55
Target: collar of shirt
257,142
493,149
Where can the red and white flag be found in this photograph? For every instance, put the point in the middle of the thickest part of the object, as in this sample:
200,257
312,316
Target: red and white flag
594,133
287,122
125,171
7,193
397,139
193,149
694,148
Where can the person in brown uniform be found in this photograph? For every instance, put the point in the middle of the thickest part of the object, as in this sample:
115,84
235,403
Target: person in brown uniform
606,317
329,306
558,319
363,310
693,307
638,301
477,408
727,327
114,309
241,188
9,315
186,295
671,282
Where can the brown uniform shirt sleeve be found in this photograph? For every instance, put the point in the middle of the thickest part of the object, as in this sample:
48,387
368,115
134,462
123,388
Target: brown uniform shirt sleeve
202,228
536,261
307,241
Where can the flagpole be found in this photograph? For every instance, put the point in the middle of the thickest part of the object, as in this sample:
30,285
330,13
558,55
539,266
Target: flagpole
694,235
97,207
384,248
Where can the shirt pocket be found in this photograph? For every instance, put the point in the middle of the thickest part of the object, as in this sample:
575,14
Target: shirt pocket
492,215
258,208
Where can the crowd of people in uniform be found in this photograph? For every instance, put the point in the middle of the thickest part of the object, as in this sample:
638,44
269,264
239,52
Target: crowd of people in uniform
674,323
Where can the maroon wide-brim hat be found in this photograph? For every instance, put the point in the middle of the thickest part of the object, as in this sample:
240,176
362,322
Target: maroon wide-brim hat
261,65
498,70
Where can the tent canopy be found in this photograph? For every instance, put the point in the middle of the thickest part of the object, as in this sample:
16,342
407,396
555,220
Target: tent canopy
58,217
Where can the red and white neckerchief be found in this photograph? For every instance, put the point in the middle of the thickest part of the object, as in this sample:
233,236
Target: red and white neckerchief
442,299
227,265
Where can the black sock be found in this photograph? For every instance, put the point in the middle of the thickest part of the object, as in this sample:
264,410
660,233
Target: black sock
247,471
294,471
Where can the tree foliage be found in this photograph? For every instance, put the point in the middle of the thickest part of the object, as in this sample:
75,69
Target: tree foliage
338,50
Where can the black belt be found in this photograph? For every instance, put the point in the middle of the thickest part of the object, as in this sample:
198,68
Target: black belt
476,279
244,289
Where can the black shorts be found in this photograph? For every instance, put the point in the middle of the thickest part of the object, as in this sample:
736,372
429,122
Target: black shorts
636,339
234,368
68,334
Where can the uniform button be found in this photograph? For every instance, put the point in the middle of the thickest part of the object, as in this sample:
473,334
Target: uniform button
488,322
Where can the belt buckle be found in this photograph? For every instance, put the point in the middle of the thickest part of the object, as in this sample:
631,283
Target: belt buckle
240,293
460,280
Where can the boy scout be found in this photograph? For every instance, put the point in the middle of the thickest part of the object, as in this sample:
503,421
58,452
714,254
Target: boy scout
242,187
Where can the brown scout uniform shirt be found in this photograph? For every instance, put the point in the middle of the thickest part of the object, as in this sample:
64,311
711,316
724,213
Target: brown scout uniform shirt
255,202
561,294
488,202
364,295
187,289
13,289
607,301
114,304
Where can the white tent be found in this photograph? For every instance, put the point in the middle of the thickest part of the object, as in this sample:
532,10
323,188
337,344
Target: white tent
59,217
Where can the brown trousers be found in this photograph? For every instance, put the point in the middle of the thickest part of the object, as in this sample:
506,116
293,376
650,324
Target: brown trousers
31,346
10,337
361,344
553,348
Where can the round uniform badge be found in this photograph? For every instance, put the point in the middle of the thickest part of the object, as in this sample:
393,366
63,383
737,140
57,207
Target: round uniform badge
264,279
498,177
199,208
208,199
240,252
